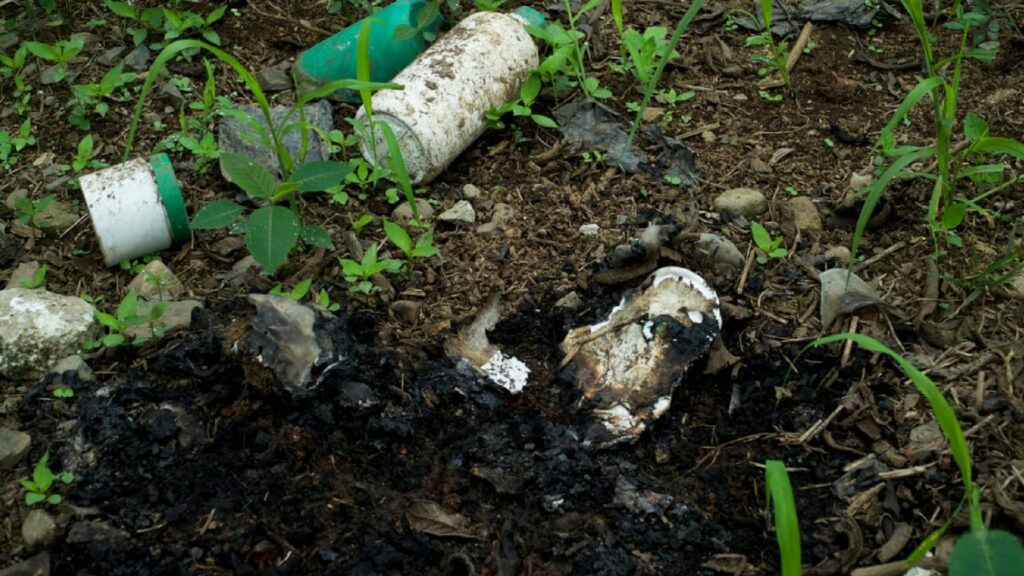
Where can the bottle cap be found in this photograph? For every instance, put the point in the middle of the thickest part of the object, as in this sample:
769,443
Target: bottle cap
170,195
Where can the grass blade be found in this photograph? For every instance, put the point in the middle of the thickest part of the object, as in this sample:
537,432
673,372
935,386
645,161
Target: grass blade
787,528
617,15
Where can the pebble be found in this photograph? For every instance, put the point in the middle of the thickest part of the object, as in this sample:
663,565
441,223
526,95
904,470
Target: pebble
24,271
13,447
38,565
722,250
157,282
470,192
109,56
137,59
745,202
858,181
407,311
461,213
275,78
403,212
76,365
590,230
840,253
489,230
39,529
503,213
805,213
171,94
40,327
570,301
11,200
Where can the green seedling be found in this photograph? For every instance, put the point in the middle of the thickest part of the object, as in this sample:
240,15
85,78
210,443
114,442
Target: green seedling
28,211
358,274
787,528
645,52
11,145
298,292
36,489
324,301
38,279
984,552
92,98
83,158
60,53
489,5
771,248
768,96
126,316
523,107
63,393
777,51
564,68
424,247
421,29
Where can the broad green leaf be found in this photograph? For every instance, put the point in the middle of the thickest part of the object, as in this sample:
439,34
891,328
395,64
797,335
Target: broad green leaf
216,15
986,553
787,528
122,9
28,485
398,236
975,127
953,215
34,498
317,236
85,148
761,236
350,268
320,175
41,50
530,89
42,476
999,145
54,499
251,177
543,121
271,233
112,340
129,306
216,214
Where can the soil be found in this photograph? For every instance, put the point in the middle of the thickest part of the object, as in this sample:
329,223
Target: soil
405,461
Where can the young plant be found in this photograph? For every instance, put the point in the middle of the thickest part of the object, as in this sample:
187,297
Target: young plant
358,274
646,51
63,393
778,52
27,211
92,98
425,26
521,107
324,301
984,552
36,489
126,316
298,292
38,279
60,53
11,145
565,67
771,248
424,247
787,528
83,158
489,5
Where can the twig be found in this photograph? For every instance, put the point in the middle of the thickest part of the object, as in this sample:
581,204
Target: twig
894,248
746,271
794,56
849,343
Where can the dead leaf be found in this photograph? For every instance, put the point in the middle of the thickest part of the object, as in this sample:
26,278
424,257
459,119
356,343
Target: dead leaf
428,517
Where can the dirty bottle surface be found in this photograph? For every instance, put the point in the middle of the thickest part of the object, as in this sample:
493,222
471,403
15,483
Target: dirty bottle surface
335,58
479,64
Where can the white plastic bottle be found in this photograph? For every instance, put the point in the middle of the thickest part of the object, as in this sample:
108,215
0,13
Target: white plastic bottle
479,64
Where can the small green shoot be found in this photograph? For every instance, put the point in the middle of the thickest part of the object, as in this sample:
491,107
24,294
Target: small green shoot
28,211
59,53
358,274
42,480
424,247
38,279
63,393
298,292
787,528
771,248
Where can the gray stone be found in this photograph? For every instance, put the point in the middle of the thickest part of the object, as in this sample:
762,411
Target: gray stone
95,532
38,565
470,192
56,217
157,282
841,254
722,250
407,311
489,230
171,94
12,199
242,135
39,530
40,328
843,292
461,213
503,214
137,59
745,202
13,446
52,74
24,271
109,56
275,78
403,212
177,318
805,214
75,364
590,230
570,301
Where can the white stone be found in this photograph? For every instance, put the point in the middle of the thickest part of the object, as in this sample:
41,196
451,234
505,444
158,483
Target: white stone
461,213
13,446
38,530
745,202
39,328
590,229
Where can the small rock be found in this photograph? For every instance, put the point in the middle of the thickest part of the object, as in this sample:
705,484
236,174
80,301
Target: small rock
40,327
12,199
97,535
13,446
926,441
24,271
157,282
171,94
57,183
470,192
758,166
461,213
52,74
708,136
77,367
721,250
109,56
38,565
403,212
489,230
39,530
745,202
275,78
843,292
841,254
176,318
590,230
858,181
56,217
651,114
740,97
805,213
570,301
407,311
137,59
1000,95
503,214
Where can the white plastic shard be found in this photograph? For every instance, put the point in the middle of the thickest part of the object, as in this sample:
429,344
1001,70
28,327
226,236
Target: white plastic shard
627,365
472,345
509,372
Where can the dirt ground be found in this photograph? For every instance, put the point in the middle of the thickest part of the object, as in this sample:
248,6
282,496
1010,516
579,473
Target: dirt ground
405,462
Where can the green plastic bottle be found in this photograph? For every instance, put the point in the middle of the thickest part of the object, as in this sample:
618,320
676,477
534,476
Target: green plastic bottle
335,58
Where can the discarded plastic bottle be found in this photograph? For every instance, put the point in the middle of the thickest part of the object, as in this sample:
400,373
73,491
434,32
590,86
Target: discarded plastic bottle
479,64
335,58
136,208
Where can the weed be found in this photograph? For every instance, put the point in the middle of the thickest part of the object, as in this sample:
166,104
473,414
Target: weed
564,68
771,248
787,528
10,145
489,5
126,316
777,51
424,247
421,30
324,301
28,210
60,53
298,292
768,96
174,24
358,274
83,159
522,107
42,480
92,98
645,52
63,393
38,279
